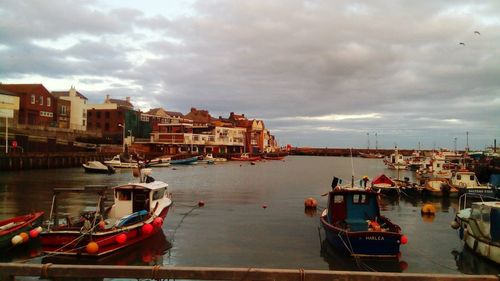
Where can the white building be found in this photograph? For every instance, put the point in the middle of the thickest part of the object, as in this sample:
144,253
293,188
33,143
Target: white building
78,111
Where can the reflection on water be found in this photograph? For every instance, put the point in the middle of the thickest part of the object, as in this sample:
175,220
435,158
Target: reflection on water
233,230
338,261
470,263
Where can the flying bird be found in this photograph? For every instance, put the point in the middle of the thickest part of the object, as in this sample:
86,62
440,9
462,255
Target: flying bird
462,43
477,32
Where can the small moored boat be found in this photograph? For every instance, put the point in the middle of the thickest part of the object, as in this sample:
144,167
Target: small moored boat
467,182
137,212
185,161
98,168
353,223
245,157
163,161
119,162
25,227
385,185
479,227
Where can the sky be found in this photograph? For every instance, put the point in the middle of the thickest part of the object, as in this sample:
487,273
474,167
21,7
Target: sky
320,73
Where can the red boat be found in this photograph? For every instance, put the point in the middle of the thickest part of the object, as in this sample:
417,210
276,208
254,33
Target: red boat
137,214
273,157
246,157
20,229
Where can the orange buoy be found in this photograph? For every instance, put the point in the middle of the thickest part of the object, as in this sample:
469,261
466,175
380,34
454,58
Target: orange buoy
92,248
121,238
428,209
147,229
310,203
25,236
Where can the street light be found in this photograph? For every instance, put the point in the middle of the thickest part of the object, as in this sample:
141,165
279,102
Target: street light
123,134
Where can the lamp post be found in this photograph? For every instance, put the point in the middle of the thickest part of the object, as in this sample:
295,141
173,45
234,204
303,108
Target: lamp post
123,134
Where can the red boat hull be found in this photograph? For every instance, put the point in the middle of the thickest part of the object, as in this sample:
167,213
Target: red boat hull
256,158
19,224
74,242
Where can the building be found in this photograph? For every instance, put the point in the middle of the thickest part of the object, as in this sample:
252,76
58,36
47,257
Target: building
110,118
36,104
255,131
78,108
63,113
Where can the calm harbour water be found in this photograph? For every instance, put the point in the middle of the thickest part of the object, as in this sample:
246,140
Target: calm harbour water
234,229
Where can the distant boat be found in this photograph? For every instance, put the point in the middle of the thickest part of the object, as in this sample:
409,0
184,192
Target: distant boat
438,187
273,157
98,168
396,161
118,162
466,182
353,223
385,185
185,161
162,161
371,155
245,157
11,227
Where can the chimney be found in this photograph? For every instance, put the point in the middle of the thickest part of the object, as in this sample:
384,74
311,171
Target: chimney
127,99
107,99
495,146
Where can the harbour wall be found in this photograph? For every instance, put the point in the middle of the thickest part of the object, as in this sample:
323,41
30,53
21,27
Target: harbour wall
36,160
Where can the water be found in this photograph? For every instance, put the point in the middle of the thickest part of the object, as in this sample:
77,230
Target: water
234,229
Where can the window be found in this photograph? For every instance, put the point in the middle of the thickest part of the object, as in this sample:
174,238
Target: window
89,114
158,194
359,198
98,114
83,123
33,99
106,126
338,199
124,195
48,101
106,114
472,177
40,100
63,110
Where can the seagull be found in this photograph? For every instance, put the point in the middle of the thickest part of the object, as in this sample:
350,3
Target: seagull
477,32
462,43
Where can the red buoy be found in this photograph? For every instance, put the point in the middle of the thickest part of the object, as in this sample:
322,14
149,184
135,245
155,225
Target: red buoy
264,206
147,229
404,239
157,222
121,238
201,203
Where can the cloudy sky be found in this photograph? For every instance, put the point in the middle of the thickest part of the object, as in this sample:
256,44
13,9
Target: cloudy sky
320,73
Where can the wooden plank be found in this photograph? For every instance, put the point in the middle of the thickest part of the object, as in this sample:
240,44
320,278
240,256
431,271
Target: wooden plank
212,273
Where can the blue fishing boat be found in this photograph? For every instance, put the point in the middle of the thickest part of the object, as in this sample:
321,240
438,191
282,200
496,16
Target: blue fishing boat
353,223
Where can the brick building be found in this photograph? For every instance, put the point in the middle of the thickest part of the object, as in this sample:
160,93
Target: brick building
36,104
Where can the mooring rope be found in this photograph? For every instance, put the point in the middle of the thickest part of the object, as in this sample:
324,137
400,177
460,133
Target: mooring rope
182,220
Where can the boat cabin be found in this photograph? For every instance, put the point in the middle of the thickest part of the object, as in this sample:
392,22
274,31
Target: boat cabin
352,207
464,179
135,197
487,220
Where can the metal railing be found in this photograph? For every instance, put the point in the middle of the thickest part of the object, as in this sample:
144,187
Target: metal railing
48,270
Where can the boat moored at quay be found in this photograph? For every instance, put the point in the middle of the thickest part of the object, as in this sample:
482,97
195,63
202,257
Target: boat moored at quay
137,212
353,223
